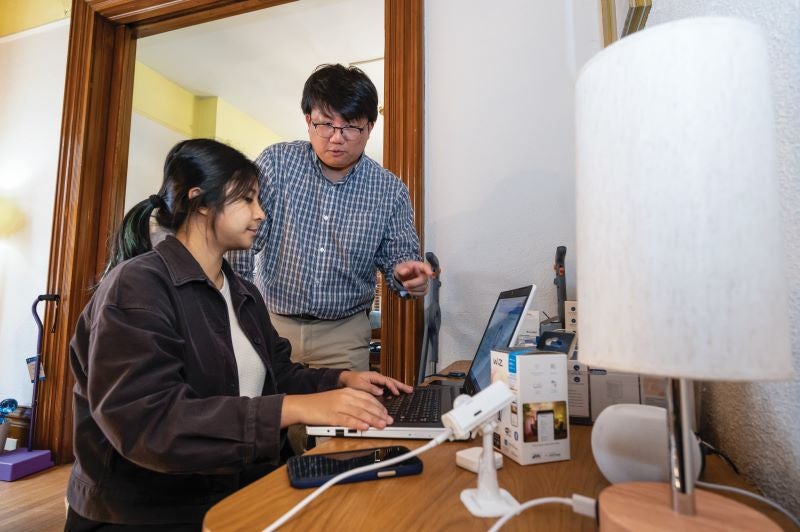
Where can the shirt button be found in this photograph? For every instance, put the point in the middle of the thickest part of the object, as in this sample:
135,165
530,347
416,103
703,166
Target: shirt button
257,341
322,250
325,217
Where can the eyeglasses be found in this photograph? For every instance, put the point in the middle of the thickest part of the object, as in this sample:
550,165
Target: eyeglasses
327,130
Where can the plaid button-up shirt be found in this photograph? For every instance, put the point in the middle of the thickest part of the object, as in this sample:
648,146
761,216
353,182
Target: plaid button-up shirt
318,247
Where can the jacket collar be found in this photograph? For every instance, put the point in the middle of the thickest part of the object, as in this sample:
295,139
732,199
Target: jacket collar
181,265
183,268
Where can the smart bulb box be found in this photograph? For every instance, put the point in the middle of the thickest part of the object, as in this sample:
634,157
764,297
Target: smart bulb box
580,411
608,388
529,331
534,428
653,390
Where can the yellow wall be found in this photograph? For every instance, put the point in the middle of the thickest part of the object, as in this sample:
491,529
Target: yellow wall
172,106
20,15
242,131
163,101
155,96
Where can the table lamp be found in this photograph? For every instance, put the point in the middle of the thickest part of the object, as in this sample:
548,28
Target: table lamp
679,249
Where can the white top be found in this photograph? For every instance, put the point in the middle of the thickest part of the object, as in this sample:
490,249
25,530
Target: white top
249,365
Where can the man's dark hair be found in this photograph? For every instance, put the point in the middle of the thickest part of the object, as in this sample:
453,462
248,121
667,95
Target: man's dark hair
344,90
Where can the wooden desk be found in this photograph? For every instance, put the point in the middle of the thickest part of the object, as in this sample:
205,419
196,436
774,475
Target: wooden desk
431,501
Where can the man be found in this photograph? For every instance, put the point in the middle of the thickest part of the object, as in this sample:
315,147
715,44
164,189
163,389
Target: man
332,216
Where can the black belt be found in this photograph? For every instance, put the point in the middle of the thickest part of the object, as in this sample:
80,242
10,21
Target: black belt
310,317
307,317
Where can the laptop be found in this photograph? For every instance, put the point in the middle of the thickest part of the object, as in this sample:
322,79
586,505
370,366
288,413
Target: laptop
418,415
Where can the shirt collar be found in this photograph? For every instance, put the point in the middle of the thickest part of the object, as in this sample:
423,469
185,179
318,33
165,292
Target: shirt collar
356,167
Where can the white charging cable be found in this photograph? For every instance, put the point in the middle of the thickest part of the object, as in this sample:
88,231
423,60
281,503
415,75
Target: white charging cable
587,506
580,505
379,465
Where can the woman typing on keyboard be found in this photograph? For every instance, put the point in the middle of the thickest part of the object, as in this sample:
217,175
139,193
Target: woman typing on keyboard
182,384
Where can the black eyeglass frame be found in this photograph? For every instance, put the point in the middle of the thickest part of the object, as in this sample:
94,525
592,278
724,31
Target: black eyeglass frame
342,130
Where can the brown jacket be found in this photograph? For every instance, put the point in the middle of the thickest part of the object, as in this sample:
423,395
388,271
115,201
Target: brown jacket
161,433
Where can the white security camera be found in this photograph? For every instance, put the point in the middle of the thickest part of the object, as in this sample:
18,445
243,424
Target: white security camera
471,412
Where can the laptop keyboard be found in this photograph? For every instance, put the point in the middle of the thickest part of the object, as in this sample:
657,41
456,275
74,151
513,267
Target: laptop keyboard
423,405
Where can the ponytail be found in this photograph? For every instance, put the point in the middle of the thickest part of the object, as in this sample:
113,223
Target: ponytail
133,235
223,175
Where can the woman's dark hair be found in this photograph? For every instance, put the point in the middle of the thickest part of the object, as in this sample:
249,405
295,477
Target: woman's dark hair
222,173
345,90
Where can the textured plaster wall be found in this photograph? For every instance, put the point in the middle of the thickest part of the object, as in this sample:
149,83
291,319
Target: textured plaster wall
758,424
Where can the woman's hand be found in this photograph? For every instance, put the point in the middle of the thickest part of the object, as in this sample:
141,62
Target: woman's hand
372,382
344,407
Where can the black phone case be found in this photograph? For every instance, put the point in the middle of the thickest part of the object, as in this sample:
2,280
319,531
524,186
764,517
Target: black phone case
313,470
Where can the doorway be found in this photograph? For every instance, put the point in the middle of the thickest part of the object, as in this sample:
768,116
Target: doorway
93,159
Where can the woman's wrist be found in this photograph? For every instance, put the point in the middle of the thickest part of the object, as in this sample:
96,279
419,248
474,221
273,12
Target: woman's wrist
291,410
344,377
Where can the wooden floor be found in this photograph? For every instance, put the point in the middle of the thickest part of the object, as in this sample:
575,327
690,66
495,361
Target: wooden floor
35,503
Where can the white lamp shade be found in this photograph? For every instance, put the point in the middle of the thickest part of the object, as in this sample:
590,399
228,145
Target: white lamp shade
679,248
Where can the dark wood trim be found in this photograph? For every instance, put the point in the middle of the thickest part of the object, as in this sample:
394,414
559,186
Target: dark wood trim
608,21
77,211
403,148
90,186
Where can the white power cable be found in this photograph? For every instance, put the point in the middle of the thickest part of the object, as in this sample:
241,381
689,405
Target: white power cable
588,506
378,465
756,496
579,504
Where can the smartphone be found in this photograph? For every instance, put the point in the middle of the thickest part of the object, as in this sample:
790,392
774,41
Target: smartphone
544,423
310,470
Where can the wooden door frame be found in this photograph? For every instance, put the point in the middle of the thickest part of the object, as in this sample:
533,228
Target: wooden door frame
92,165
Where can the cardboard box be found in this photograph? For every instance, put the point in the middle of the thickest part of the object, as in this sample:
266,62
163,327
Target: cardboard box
535,428
653,390
608,388
529,331
580,411
571,316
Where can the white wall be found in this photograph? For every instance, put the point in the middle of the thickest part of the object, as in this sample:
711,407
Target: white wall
757,424
33,68
149,145
499,166
32,72
499,152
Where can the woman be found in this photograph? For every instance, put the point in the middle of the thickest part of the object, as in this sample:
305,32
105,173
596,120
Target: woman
182,384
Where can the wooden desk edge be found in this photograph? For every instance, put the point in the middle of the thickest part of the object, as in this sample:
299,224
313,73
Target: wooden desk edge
716,470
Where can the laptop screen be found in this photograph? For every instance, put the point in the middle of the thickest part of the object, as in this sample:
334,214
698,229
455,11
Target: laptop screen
501,331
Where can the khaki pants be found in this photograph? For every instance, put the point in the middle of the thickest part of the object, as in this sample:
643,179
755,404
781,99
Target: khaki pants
341,344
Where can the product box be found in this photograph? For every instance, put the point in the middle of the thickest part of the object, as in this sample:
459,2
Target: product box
608,388
571,316
535,427
578,395
529,331
653,390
